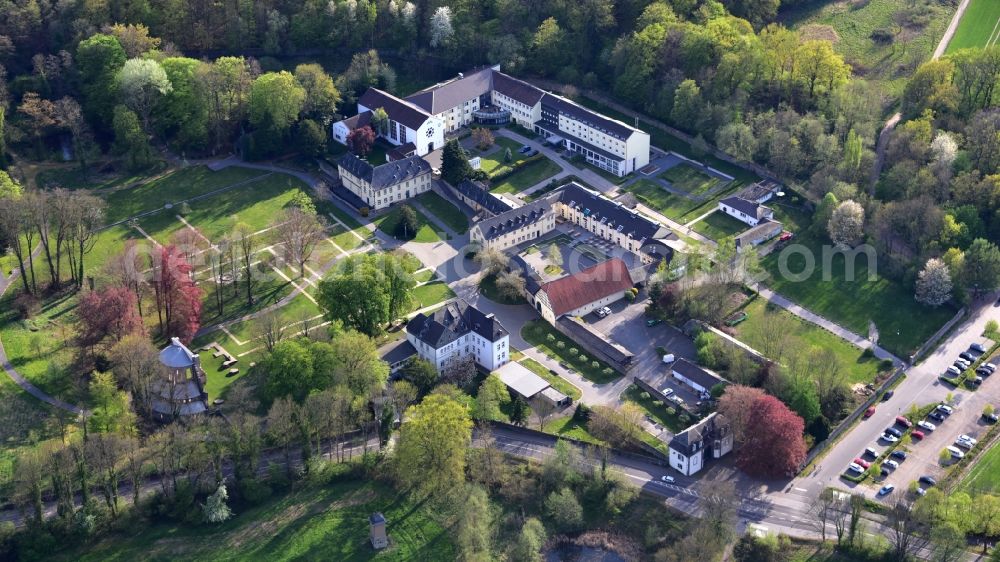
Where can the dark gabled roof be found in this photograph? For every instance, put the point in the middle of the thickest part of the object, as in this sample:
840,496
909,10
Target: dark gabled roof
515,219
446,95
477,192
759,190
692,372
592,203
401,151
745,206
532,282
592,284
689,441
594,340
610,126
385,175
359,120
398,109
376,518
453,321
400,351
516,89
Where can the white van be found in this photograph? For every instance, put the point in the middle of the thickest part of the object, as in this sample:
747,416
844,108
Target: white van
668,358
956,453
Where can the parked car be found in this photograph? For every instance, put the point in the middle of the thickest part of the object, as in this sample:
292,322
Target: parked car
606,310
956,453
990,367
921,491
854,467
676,399
969,438
668,358
955,371
891,464
870,412
531,153
785,236
600,312
897,454
918,435
967,356
983,371
669,479
871,452
964,444
862,462
945,409
977,381
901,420
524,148
889,438
894,432
886,490
929,480
977,347
667,391
924,424
991,418
654,322
961,364
936,416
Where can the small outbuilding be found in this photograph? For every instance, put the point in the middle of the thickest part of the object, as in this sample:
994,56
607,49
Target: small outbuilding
698,378
529,385
181,391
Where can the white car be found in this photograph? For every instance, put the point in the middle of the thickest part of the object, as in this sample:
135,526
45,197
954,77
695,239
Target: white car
855,467
668,479
945,408
924,424
676,399
956,453
967,439
962,363
667,391
921,491
953,370
600,313
606,310
889,438
964,444
891,464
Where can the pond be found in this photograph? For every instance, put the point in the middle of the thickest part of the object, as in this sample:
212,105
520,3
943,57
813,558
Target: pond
575,553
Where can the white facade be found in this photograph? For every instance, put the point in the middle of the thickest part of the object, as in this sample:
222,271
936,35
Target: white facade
340,132
743,217
384,197
521,113
426,138
488,355
458,116
529,231
687,465
544,307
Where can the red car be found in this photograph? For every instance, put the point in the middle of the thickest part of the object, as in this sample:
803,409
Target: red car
785,236
870,412
862,462
918,435
903,421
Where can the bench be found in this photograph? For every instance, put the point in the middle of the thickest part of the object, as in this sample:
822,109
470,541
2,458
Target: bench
233,372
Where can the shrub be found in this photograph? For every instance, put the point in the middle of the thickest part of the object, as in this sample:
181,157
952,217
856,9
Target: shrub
671,411
992,326
595,364
550,337
684,418
561,344
607,371
573,351
885,365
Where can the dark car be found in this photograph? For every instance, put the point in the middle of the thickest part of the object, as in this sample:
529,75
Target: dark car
897,454
929,480
992,418
894,432
936,416
888,394
983,372
967,356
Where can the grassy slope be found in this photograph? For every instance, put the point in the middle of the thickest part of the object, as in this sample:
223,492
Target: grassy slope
985,474
978,25
388,221
314,524
446,211
527,176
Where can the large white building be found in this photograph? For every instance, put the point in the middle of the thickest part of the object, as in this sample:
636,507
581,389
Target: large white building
515,226
712,435
581,293
380,186
458,330
418,123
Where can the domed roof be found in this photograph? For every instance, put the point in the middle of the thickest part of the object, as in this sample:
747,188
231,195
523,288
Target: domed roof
176,356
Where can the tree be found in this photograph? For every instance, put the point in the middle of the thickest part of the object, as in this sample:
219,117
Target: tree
483,138
455,165
775,447
322,96
296,367
492,260
949,541
357,364
178,298
246,242
736,404
555,256
421,373
511,285
366,292
529,543
687,104
134,38
297,232
183,113
408,224
215,509
69,116
361,140
476,525
9,189
564,510
380,121
143,83
98,60
492,396
934,283
432,443
85,217
846,225
310,138
441,29
905,529
41,117
111,412
109,312
135,363
981,271
276,100
130,140
519,411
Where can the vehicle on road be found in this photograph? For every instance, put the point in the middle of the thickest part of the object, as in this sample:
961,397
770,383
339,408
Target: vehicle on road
531,153
870,412
669,479
991,417
901,420
885,490
862,462
897,454
890,438
977,347
918,435
929,480
854,467
894,432
654,322
953,370
924,424
956,453
887,395
891,464
524,148
945,409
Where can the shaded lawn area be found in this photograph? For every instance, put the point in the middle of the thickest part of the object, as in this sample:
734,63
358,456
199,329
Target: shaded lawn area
431,294
656,409
557,382
718,226
449,214
268,290
173,188
569,427
348,239
537,333
314,523
493,162
527,176
978,26
74,178
424,276
488,288
804,336
791,212
689,179
903,323
654,196
427,233
377,155
984,476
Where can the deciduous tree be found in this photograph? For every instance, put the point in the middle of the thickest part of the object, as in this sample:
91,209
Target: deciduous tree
846,226
143,84
774,447
361,140
934,283
107,313
432,444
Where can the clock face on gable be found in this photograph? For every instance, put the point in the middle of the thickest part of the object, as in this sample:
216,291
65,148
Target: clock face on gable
430,132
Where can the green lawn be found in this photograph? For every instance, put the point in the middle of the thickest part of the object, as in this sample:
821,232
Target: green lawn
656,409
527,176
424,276
73,178
984,476
377,155
903,323
979,26
537,333
557,382
802,336
690,179
428,233
850,26
445,210
718,226
431,294
654,196
569,427
329,523
492,162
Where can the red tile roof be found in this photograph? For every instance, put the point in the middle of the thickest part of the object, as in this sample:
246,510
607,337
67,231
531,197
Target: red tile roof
592,284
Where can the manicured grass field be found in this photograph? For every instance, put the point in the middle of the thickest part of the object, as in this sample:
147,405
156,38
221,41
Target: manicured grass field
984,476
446,211
424,276
654,196
903,323
557,382
690,179
527,176
980,26
656,409
568,427
387,222
329,523
73,178
493,162
718,226
537,333
431,294
802,336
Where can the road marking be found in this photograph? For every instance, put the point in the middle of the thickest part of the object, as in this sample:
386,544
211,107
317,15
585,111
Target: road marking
800,489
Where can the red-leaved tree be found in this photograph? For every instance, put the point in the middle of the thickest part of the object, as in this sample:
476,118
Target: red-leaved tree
361,141
773,444
178,299
107,313
736,404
